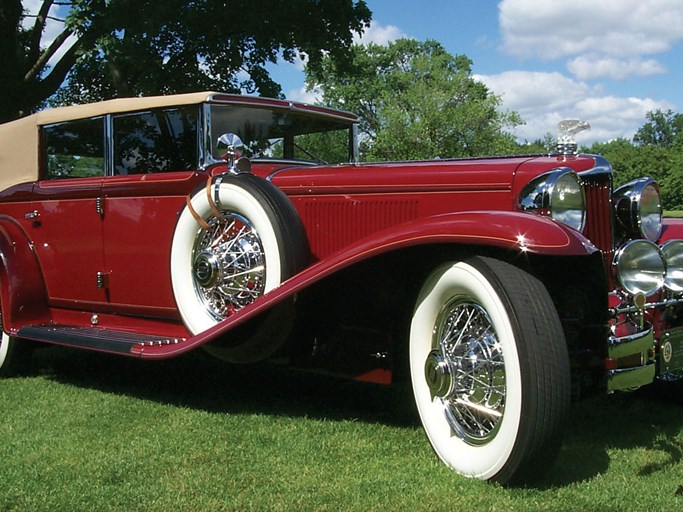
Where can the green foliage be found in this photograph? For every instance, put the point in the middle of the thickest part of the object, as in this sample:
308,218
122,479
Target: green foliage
415,101
128,47
329,147
663,129
630,161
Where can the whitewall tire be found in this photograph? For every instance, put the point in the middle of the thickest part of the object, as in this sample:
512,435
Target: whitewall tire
489,369
220,264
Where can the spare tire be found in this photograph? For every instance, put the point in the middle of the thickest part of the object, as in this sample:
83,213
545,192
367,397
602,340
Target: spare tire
236,239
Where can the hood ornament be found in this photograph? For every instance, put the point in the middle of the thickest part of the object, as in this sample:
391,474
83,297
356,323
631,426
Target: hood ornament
566,138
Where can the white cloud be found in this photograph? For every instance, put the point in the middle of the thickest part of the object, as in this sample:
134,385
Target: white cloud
553,29
53,27
379,34
588,67
607,38
375,33
305,96
544,99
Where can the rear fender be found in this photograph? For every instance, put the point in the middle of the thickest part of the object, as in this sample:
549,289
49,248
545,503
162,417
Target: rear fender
22,288
513,231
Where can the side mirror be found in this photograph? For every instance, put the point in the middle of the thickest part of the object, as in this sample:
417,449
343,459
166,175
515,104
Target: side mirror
233,143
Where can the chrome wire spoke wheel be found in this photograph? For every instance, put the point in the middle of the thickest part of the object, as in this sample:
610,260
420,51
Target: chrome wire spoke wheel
466,371
228,265
489,369
236,240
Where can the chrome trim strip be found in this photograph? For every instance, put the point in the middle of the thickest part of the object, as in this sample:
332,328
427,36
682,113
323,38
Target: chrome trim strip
625,346
630,378
204,137
673,301
108,145
602,166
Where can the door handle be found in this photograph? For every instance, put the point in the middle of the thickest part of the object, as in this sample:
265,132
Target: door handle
33,216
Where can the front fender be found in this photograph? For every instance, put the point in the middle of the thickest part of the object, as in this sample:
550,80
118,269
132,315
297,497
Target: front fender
22,289
672,229
513,231
522,232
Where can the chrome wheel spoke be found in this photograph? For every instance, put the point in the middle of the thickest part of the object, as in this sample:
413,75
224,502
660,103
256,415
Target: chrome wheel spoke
228,265
469,347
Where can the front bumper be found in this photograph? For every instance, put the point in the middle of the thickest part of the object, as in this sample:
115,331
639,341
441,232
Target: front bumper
634,347
647,358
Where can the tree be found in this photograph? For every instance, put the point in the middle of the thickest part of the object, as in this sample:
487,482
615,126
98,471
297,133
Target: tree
128,47
415,100
630,161
663,129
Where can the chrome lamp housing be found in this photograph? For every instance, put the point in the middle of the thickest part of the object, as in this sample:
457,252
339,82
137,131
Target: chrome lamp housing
638,209
640,267
558,194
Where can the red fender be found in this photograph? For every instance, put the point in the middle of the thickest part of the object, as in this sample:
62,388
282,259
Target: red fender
514,231
22,288
671,230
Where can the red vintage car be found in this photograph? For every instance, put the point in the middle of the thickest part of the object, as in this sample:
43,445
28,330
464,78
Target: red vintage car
501,287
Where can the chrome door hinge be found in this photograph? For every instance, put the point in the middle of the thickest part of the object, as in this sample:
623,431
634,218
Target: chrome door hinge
99,205
103,279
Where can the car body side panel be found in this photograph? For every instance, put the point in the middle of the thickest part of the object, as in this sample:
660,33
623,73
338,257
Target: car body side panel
511,231
22,288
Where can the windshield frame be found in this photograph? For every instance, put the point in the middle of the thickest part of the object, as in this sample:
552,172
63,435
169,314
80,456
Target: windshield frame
338,121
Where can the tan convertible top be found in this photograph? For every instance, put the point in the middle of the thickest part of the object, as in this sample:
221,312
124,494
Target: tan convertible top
19,140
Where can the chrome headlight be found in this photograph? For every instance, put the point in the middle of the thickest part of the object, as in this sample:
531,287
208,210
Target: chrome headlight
639,209
557,193
673,255
640,267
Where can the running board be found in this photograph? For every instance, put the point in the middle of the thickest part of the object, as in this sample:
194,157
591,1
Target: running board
93,338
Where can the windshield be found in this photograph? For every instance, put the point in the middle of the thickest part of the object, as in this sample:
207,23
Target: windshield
282,134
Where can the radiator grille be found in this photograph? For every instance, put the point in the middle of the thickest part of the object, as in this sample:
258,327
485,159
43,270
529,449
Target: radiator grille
599,220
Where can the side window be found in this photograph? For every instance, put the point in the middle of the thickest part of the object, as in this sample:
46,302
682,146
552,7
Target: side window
74,149
156,141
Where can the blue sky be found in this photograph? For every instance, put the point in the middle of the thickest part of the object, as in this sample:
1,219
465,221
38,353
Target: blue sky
607,62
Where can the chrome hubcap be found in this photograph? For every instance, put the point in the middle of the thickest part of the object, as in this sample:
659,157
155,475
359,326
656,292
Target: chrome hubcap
206,269
465,371
228,267
439,374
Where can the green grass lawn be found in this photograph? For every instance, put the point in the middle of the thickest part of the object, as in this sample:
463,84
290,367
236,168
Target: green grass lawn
673,213
83,431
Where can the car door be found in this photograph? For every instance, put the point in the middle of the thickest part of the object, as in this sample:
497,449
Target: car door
154,168
66,214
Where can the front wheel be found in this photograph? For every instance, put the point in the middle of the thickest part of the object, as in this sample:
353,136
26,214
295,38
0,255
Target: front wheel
489,369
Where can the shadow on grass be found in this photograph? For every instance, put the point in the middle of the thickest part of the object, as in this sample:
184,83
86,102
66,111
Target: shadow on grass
648,419
199,381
